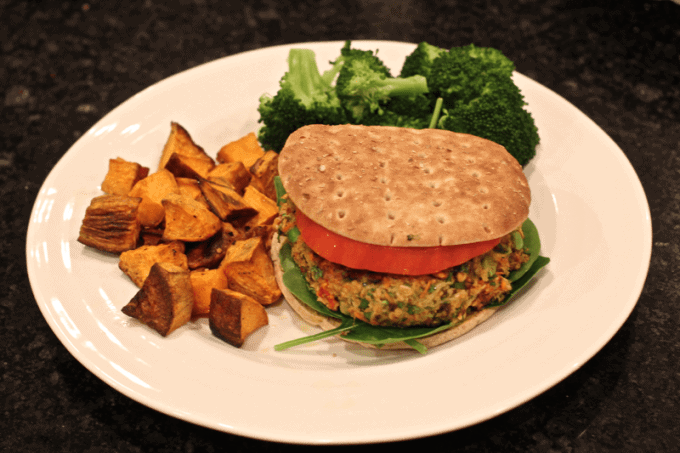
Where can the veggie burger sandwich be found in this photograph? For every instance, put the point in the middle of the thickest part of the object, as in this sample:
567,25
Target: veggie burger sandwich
400,238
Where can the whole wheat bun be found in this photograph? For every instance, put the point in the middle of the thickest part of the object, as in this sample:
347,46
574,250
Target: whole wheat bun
404,187
326,323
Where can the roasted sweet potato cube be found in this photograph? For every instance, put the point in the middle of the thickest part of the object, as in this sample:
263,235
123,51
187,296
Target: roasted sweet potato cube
267,210
189,188
264,170
122,176
234,174
225,201
250,271
150,236
165,300
180,142
232,231
234,316
266,232
188,166
188,220
111,223
203,281
246,149
211,252
152,190
137,263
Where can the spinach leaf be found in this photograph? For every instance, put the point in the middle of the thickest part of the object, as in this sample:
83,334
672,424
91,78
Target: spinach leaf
344,326
298,286
380,335
532,242
280,191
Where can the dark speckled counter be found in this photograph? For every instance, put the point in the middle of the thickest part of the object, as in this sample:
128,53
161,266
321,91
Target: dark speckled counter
64,65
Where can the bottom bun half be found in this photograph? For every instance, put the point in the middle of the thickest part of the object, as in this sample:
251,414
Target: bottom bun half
311,316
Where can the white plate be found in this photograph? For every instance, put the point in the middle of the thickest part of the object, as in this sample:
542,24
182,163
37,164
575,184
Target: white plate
588,204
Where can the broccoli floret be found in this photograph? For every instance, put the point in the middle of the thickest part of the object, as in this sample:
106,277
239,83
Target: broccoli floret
497,114
388,117
368,91
462,73
419,62
305,97
480,98
402,111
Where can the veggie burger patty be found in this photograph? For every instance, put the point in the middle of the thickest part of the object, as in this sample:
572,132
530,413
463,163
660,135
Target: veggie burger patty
405,300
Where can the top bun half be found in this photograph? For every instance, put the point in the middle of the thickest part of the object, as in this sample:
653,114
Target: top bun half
404,187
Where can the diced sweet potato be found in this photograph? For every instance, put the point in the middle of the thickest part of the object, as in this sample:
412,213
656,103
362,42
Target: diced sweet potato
188,166
111,223
266,232
250,271
122,176
264,170
232,231
231,174
150,236
137,263
203,281
180,142
165,300
189,188
225,201
267,210
211,252
152,190
234,316
246,149
188,220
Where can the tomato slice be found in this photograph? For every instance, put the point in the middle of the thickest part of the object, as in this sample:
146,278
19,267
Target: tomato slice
386,259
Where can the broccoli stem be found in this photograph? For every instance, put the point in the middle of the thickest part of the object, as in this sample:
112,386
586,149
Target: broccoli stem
303,75
436,113
398,86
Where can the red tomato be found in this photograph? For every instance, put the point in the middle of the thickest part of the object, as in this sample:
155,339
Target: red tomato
380,258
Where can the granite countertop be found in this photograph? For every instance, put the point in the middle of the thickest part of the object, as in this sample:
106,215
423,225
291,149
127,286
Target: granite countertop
64,65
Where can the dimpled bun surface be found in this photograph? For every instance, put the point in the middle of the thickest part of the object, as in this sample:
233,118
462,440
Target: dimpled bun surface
404,187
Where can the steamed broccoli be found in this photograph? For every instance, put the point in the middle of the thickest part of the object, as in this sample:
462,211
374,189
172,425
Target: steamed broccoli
305,97
474,84
463,73
497,115
419,62
371,95
480,98
396,113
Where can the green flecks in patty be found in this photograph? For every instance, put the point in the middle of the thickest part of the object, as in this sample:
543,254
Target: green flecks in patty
316,272
413,309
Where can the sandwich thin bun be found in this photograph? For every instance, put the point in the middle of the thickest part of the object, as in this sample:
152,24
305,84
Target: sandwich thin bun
312,317
396,186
